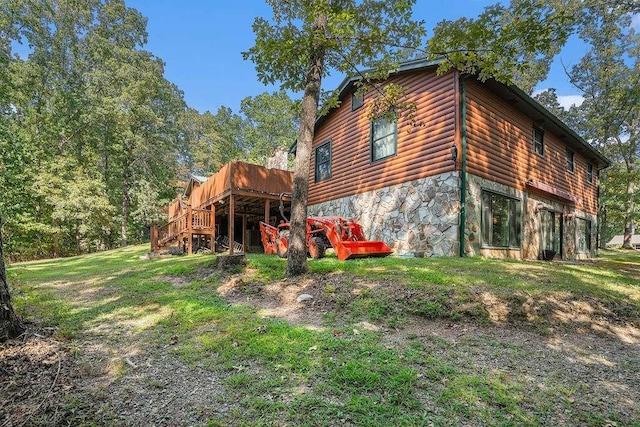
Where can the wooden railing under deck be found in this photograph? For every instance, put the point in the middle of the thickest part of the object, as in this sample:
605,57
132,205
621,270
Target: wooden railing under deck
173,229
192,220
201,219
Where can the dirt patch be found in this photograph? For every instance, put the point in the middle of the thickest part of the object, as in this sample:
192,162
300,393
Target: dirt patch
103,381
391,303
581,360
329,293
581,356
37,377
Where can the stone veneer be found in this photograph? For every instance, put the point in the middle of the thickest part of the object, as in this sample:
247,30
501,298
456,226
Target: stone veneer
532,204
415,216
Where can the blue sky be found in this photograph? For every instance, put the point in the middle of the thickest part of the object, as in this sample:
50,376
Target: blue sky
201,43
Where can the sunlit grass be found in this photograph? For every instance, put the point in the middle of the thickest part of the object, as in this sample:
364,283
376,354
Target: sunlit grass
334,375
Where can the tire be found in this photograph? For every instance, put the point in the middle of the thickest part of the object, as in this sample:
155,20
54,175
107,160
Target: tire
316,248
282,243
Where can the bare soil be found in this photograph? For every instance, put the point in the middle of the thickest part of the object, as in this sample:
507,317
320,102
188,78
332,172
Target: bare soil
105,378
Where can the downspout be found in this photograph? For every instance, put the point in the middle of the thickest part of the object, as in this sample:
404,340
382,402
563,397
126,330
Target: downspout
463,165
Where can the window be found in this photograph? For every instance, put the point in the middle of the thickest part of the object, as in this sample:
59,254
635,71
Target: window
571,165
384,138
323,161
538,141
501,221
583,235
589,173
357,101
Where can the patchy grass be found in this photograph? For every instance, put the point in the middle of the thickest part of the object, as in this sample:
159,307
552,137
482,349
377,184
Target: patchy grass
275,372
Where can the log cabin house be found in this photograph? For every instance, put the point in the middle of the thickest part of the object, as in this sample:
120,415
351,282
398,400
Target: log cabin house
223,211
480,169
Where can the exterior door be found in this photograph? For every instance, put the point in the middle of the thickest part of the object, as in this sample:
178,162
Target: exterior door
550,234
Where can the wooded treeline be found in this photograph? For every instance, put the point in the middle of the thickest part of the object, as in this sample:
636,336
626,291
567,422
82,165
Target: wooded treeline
94,140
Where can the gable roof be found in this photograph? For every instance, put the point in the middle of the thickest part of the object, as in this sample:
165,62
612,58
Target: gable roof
199,179
511,93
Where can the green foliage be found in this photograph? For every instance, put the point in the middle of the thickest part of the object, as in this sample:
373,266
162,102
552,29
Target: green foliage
271,124
610,115
514,43
92,126
304,42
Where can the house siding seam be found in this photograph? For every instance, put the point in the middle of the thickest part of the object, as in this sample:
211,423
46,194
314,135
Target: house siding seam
421,215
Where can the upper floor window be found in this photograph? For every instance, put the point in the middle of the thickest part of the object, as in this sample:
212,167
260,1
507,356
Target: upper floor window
357,100
538,141
501,221
323,161
589,173
384,138
583,235
571,164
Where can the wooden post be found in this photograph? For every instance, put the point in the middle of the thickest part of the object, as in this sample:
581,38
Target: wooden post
267,210
213,228
189,230
232,217
244,233
154,238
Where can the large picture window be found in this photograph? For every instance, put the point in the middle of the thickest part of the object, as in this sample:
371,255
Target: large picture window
323,161
583,235
501,221
384,138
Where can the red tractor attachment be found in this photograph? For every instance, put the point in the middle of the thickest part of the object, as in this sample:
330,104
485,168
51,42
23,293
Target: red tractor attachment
344,236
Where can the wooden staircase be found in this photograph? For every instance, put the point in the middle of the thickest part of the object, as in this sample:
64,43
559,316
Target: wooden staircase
195,222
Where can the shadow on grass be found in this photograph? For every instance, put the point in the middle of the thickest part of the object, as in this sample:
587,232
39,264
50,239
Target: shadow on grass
277,371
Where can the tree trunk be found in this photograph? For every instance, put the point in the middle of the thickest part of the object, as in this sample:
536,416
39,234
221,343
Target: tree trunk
10,324
602,224
297,252
125,209
628,217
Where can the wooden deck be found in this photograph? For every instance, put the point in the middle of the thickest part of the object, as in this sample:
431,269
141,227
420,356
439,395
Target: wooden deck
239,192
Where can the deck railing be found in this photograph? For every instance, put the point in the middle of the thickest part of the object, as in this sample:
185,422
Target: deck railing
200,220
173,229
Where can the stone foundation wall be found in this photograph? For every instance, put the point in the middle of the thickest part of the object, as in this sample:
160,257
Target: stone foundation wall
532,204
416,216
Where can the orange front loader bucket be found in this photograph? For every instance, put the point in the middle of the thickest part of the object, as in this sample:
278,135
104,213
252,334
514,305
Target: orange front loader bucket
361,249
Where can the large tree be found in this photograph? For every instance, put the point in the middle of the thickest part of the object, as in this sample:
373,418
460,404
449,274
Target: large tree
609,79
92,119
10,324
305,41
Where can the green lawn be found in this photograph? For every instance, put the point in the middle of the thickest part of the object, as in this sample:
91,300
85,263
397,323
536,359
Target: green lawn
288,374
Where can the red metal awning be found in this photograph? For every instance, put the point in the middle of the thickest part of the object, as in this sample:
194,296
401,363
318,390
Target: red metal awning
546,188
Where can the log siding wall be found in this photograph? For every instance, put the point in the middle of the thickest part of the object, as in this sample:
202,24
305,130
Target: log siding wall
501,149
423,145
